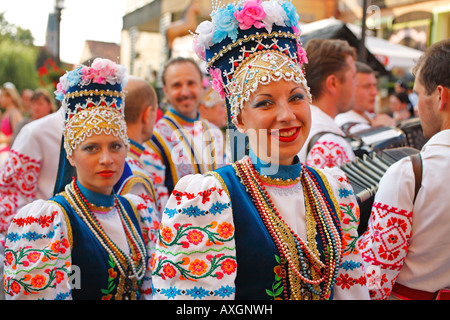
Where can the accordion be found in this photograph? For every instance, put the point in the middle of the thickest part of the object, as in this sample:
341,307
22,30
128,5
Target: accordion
365,173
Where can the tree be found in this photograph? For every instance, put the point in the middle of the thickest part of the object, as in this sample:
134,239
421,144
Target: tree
12,32
18,56
18,65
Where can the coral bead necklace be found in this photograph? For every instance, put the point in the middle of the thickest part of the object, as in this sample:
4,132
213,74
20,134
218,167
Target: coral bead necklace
131,266
305,268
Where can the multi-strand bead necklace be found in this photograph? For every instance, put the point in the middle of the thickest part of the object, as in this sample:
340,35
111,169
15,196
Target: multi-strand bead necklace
131,266
308,275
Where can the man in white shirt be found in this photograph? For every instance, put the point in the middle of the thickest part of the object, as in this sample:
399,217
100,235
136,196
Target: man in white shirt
331,76
362,116
405,249
32,166
182,143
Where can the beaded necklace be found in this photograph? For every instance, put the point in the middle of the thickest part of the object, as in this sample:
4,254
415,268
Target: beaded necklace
131,266
307,274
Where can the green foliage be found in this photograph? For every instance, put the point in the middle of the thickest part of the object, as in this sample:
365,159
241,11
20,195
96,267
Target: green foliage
14,33
18,56
18,65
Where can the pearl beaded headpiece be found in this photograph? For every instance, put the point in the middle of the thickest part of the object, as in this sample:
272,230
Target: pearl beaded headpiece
93,102
250,43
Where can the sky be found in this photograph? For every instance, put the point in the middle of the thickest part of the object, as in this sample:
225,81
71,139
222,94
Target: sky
81,20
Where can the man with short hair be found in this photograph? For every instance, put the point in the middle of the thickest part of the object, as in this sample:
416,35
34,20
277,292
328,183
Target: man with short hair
183,143
405,249
331,76
141,104
362,116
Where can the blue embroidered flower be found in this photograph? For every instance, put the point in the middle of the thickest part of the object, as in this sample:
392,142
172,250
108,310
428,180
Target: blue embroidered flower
225,23
218,208
344,193
172,292
51,233
224,292
170,212
291,13
62,296
197,293
13,237
350,265
193,211
32,236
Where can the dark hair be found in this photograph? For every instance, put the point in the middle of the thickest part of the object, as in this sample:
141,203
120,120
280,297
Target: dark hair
38,93
326,57
179,60
402,97
432,68
361,67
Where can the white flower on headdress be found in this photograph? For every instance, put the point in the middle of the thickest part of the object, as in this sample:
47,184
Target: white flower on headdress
121,75
275,14
205,31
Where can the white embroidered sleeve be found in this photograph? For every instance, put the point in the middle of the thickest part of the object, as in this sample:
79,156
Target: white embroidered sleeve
385,243
18,185
37,254
329,151
195,254
350,281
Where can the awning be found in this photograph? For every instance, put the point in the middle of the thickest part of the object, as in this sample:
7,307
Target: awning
390,55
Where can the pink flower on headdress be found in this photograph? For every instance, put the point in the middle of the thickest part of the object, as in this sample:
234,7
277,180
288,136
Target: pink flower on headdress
301,53
102,70
199,49
86,75
251,15
217,82
297,31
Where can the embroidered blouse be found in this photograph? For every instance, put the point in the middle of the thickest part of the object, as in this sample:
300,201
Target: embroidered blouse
42,241
181,146
408,242
214,245
331,149
31,168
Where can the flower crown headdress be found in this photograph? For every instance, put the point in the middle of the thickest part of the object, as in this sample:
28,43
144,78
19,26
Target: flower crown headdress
93,102
249,43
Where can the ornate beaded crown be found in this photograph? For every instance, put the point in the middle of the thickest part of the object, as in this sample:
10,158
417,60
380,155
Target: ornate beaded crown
250,43
93,102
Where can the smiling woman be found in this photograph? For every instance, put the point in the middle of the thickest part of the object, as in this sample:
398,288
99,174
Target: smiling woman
87,227
290,230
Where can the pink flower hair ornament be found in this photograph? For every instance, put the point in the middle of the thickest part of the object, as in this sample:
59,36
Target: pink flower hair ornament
251,15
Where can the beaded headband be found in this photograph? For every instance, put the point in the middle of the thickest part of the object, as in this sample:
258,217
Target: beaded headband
93,102
250,43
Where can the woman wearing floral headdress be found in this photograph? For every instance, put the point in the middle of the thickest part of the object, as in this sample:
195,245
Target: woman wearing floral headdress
265,227
86,242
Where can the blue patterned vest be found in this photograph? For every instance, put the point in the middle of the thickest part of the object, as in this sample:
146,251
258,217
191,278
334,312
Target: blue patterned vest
255,249
99,275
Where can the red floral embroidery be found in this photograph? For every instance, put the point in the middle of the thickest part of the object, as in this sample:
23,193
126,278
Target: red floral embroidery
205,195
326,154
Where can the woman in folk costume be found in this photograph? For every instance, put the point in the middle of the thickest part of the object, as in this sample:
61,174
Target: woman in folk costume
265,227
86,242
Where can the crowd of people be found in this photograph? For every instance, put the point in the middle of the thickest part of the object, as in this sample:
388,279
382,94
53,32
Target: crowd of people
105,199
